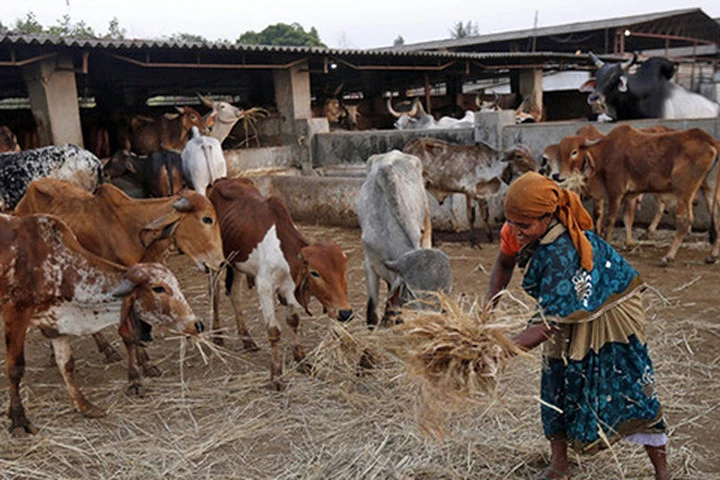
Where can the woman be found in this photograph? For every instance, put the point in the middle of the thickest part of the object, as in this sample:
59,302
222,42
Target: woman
596,374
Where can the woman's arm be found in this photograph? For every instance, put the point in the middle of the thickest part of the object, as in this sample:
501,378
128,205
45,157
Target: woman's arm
533,336
500,276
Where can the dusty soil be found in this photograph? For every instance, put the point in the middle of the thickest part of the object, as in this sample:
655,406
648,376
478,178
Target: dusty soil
683,332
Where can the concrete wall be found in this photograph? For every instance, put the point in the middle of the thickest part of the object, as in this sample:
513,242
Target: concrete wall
329,194
348,148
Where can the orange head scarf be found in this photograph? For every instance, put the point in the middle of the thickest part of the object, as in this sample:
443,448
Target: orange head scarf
533,195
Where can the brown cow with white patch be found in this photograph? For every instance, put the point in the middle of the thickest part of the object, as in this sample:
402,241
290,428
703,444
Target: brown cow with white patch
49,280
478,171
126,230
629,162
261,241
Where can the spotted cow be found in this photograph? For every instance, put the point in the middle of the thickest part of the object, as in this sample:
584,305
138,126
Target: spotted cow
49,280
66,162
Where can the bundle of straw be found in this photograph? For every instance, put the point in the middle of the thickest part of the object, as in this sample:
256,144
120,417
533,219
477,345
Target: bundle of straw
455,353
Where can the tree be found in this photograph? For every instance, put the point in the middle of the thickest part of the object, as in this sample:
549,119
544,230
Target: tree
3,28
282,34
115,31
29,25
66,28
187,37
399,41
460,30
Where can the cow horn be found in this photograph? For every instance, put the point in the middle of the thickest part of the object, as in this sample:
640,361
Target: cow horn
124,289
598,63
182,204
630,62
206,101
391,109
417,104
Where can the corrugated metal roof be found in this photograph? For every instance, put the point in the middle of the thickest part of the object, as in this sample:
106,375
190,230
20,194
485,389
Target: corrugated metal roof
10,38
547,31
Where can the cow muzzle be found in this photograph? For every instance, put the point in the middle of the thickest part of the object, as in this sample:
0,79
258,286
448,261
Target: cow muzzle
345,315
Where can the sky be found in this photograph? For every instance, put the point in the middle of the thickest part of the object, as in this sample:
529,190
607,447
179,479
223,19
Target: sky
340,23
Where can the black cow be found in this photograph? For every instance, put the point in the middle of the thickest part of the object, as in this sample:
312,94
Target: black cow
64,162
156,175
647,93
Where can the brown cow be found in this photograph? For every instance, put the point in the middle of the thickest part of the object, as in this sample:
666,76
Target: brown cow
630,162
169,131
8,141
262,242
550,166
128,231
47,279
478,171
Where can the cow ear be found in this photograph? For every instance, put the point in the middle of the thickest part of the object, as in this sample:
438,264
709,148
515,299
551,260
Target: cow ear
181,110
588,165
210,120
588,86
125,288
622,86
162,227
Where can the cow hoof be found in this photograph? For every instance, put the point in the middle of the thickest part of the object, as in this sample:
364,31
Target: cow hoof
26,428
218,340
663,262
305,368
91,411
278,385
646,236
711,260
135,390
250,346
367,361
150,370
112,355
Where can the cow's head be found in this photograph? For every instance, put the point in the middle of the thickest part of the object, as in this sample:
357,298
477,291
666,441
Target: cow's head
152,298
519,160
610,80
325,278
220,111
192,223
575,162
189,117
421,274
8,141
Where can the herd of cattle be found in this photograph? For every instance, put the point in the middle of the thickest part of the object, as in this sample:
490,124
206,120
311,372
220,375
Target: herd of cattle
79,254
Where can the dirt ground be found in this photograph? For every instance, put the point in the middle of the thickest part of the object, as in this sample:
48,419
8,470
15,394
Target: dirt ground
217,418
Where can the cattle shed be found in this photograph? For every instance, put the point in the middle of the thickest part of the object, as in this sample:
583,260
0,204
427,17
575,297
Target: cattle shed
69,81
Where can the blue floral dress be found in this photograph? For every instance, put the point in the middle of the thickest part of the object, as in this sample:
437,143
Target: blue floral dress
597,375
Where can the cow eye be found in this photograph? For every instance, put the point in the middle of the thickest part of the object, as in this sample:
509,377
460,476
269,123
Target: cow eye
574,153
207,220
314,274
159,289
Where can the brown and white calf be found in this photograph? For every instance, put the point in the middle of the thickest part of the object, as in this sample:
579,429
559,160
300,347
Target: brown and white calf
49,280
261,241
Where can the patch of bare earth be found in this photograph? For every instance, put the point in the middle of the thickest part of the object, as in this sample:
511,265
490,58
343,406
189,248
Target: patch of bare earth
213,415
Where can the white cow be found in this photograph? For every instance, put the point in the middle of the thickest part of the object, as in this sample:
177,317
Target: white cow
203,161
221,119
394,217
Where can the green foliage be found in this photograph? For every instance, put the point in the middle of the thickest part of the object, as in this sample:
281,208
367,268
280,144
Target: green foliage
66,28
3,28
399,41
186,37
115,31
461,30
29,25
282,34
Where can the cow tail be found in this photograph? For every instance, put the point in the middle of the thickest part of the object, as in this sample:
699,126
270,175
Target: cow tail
713,234
229,278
